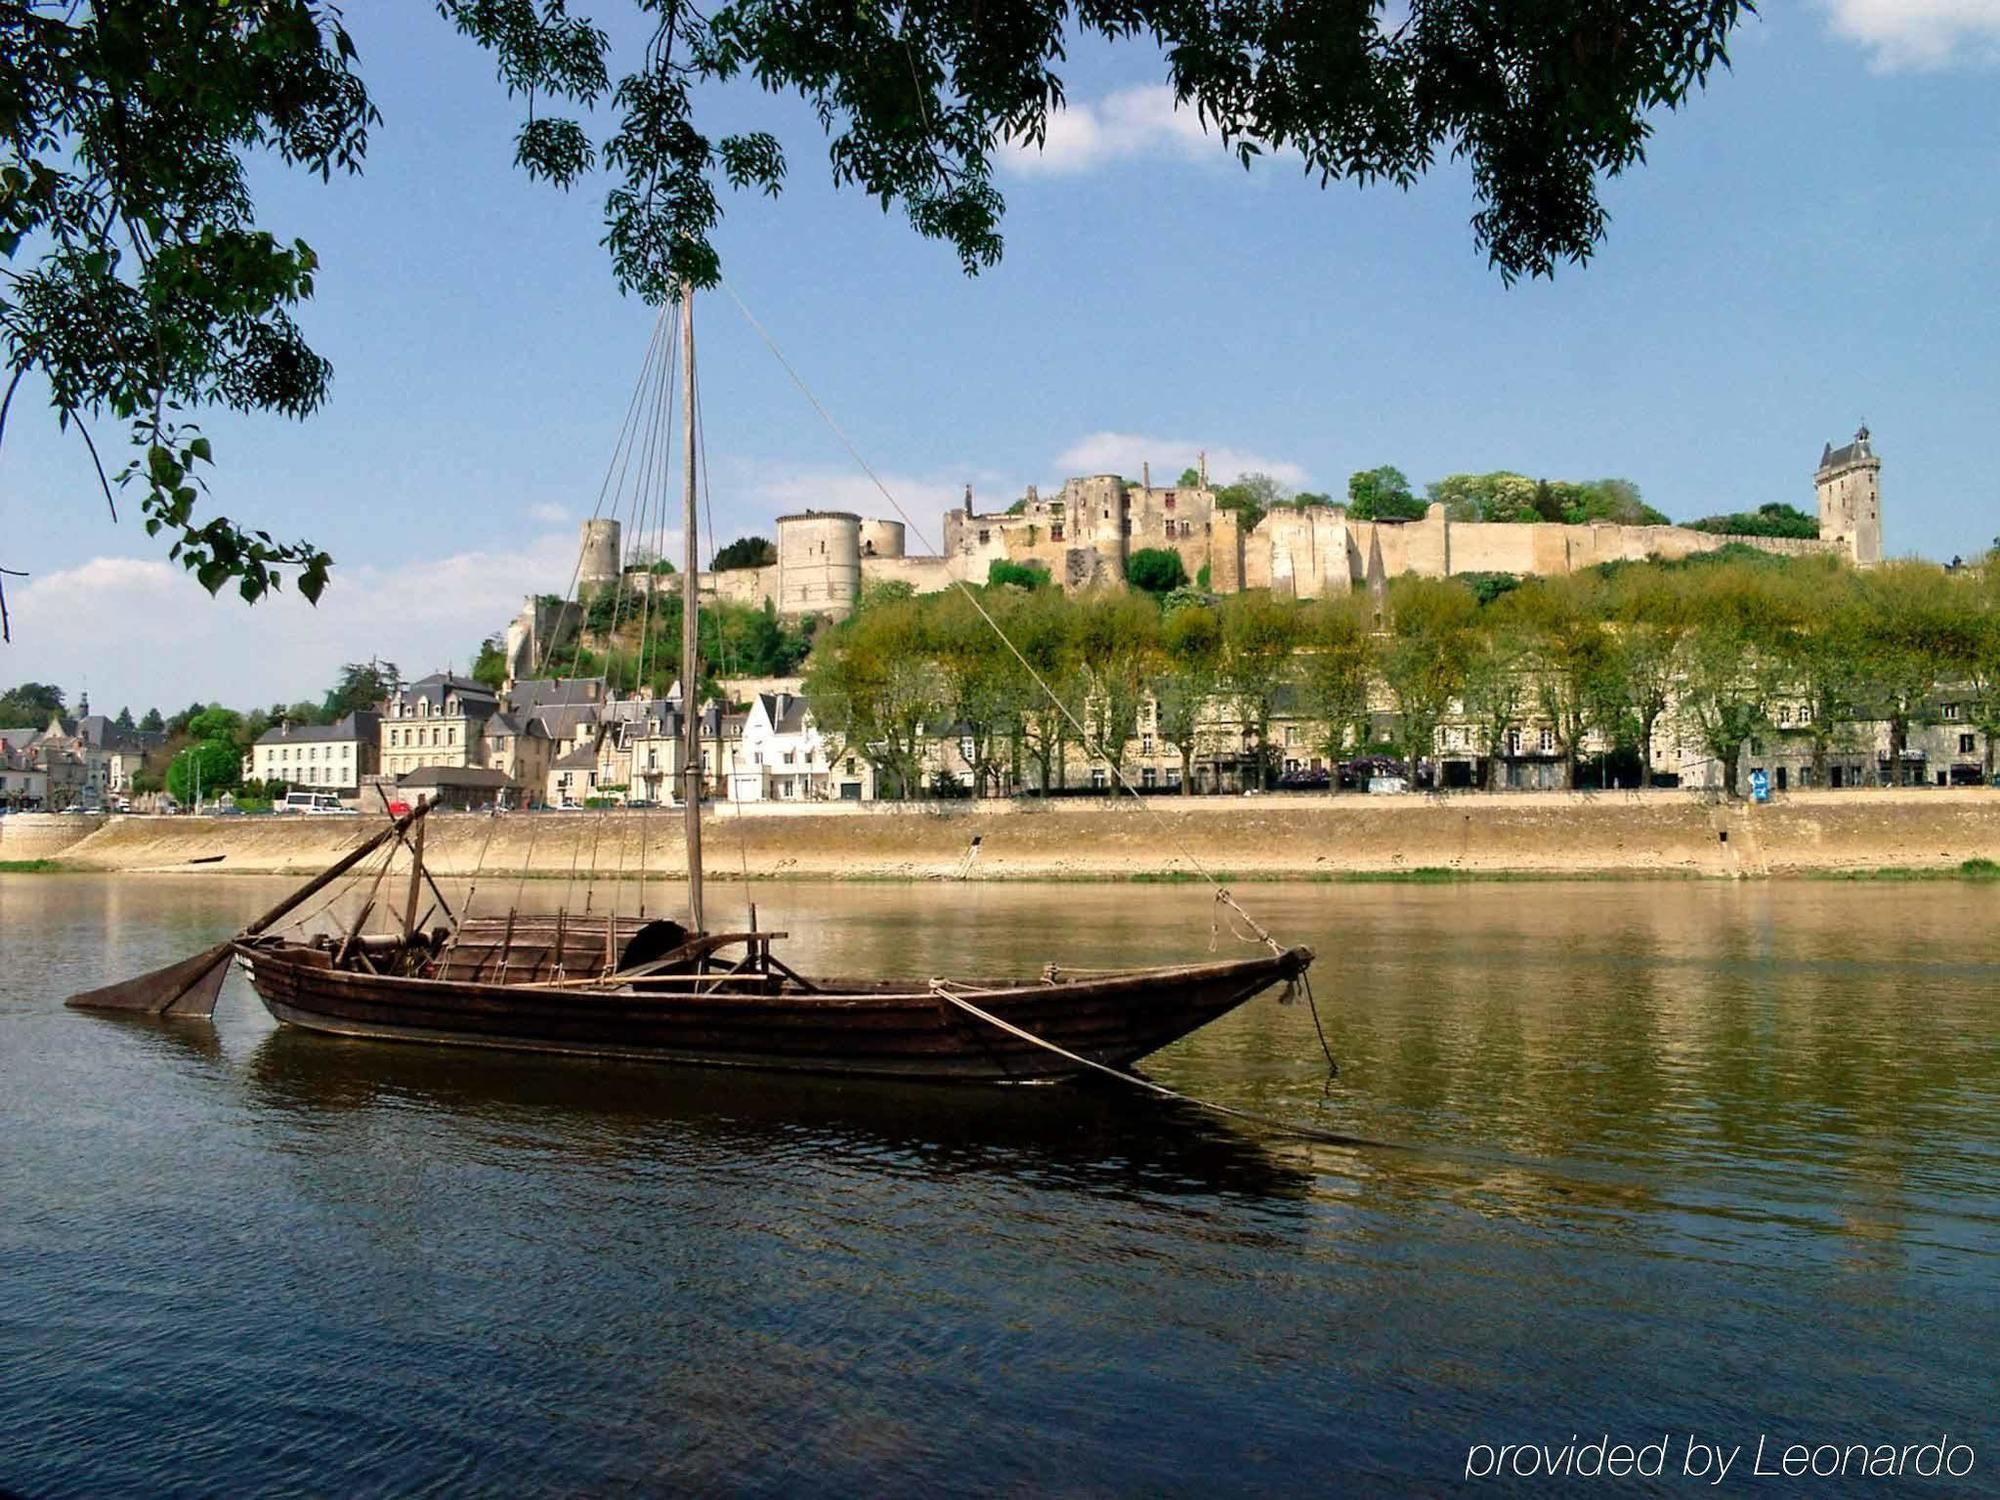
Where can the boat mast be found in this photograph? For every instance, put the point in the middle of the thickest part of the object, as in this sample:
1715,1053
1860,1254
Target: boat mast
690,607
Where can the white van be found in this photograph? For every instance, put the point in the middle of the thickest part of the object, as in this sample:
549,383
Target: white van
314,802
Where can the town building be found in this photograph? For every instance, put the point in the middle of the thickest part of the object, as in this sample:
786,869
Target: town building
335,758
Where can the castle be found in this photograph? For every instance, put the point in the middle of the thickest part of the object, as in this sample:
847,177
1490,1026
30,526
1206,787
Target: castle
1084,535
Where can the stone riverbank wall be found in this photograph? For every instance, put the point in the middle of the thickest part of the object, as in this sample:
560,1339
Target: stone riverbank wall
1549,834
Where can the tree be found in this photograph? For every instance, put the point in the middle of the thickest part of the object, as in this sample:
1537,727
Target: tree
873,688
1382,495
1250,497
1156,570
152,723
362,685
746,552
1651,622
1571,653
215,723
1186,673
30,706
1259,634
1431,621
1116,639
1908,636
1335,665
1730,673
213,765
1497,687
124,720
490,665
151,289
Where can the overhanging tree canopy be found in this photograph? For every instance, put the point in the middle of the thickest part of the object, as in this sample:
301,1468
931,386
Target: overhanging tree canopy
140,285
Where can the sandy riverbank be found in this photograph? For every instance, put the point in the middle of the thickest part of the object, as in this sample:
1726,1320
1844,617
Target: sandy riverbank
1275,837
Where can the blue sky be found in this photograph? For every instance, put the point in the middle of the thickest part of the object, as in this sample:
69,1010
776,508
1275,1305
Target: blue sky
1812,244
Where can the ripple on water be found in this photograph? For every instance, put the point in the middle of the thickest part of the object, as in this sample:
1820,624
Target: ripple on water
1697,1157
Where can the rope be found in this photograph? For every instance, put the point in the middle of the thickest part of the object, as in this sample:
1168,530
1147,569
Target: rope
1083,734
942,988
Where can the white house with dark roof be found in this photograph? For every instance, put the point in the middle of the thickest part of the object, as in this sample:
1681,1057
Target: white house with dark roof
320,757
780,756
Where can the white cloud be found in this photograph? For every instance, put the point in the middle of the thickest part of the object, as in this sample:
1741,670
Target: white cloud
1124,453
140,632
549,515
1919,33
1131,122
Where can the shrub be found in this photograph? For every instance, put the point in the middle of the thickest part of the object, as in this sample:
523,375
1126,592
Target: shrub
1157,570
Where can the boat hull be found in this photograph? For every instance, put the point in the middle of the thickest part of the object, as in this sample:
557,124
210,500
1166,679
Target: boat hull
847,1027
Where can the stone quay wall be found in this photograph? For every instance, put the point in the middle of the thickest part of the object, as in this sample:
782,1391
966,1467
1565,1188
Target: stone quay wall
1664,833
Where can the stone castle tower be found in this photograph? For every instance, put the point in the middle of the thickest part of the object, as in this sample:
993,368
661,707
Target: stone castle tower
599,559
1849,481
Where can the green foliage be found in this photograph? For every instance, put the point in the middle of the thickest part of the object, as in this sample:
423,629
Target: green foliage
220,764
1507,496
490,666
1156,570
1775,519
215,723
1382,494
30,705
148,288
1190,479
1251,497
152,723
362,685
1486,587
1202,577
1001,573
746,552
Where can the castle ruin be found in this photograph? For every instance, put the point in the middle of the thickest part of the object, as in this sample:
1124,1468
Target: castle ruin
1084,535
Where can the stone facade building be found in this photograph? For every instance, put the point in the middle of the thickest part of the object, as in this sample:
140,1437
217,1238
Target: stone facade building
320,757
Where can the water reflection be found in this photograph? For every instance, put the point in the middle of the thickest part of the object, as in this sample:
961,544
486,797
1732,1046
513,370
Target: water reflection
1079,1139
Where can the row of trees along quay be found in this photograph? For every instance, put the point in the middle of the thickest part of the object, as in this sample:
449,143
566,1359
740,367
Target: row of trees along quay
1713,650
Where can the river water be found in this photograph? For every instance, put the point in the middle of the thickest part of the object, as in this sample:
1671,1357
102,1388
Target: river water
1664,1160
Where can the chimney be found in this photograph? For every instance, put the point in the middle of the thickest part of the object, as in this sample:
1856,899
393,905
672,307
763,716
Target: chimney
1203,456
1145,475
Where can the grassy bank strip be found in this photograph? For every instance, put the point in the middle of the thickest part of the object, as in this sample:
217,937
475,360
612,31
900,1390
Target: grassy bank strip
31,867
1976,870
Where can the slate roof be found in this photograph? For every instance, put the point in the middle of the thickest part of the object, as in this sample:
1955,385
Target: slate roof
362,724
1850,453
532,693
582,759
476,699
478,777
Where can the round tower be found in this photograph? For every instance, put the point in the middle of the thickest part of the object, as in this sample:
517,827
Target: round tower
1849,481
819,562
598,556
881,538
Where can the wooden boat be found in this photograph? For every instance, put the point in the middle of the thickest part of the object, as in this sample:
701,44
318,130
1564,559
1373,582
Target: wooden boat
661,990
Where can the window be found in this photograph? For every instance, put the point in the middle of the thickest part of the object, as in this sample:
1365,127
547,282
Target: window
1099,778
1756,747
1148,777
1784,713
1965,744
1513,742
1951,712
1548,741
1056,532
984,536
1173,775
1146,746
1805,713
1291,734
